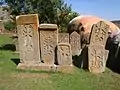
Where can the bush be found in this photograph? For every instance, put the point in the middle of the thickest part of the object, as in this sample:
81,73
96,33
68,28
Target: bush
9,25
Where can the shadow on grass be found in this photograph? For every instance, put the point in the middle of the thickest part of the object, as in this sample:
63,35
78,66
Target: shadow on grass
10,47
16,60
113,62
81,61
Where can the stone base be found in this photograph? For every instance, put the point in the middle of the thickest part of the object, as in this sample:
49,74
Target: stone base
45,67
65,68
97,71
16,52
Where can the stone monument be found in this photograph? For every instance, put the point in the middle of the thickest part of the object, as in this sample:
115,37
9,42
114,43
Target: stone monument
64,55
28,39
63,38
75,43
96,48
48,42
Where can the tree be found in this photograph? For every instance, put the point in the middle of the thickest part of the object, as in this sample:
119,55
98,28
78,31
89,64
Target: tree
49,11
9,25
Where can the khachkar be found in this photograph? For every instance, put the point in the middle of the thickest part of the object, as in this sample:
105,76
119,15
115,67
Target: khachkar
48,42
75,43
64,54
64,57
96,48
28,39
63,38
48,48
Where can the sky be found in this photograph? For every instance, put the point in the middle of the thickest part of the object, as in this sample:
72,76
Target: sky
106,9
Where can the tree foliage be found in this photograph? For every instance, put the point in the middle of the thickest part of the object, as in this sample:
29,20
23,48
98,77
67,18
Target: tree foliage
9,25
49,11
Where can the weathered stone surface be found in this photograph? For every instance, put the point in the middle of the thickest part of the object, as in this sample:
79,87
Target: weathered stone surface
99,33
1,26
64,55
63,38
75,43
106,54
27,26
28,19
16,44
65,68
96,57
46,67
96,49
37,67
48,42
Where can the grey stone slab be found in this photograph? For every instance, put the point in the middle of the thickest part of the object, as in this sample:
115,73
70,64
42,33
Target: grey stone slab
75,43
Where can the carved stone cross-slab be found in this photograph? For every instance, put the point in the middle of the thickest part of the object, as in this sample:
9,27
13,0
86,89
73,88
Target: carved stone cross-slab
75,43
63,38
96,49
27,27
64,55
48,42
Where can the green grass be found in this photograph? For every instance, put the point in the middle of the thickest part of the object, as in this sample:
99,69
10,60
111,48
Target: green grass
5,39
13,79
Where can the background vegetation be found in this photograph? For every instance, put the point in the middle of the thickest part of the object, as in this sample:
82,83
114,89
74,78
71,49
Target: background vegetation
49,11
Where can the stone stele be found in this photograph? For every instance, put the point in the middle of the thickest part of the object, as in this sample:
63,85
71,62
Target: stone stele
63,38
75,43
64,54
96,48
48,42
28,39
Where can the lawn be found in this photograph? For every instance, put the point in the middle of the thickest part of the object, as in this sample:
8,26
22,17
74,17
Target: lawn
13,79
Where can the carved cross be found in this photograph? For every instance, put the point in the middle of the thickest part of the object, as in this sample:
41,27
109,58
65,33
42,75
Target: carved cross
27,35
